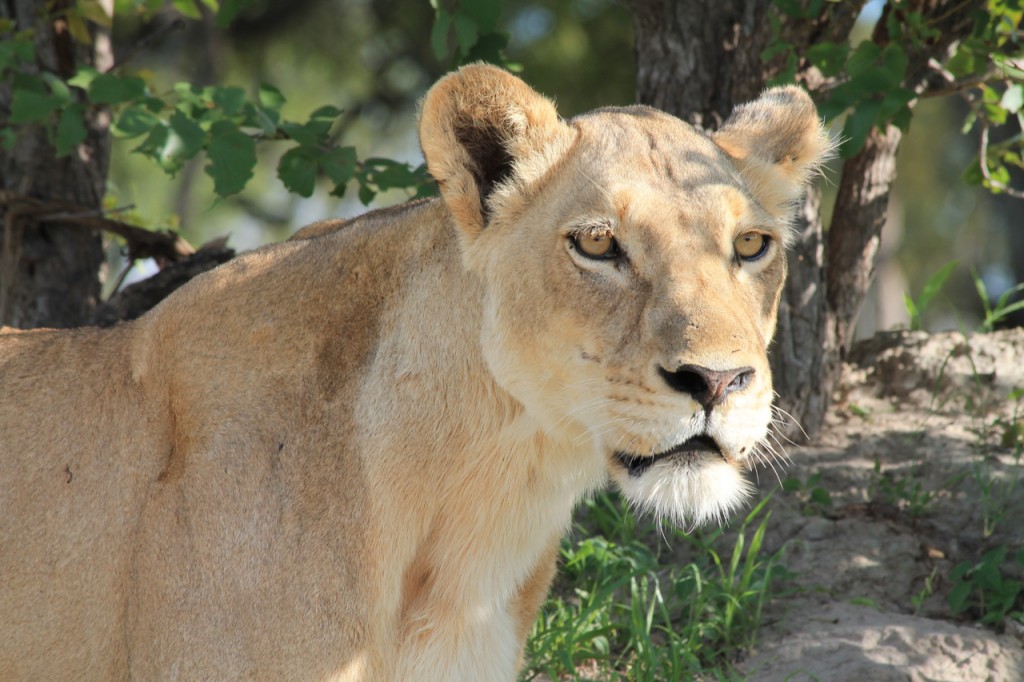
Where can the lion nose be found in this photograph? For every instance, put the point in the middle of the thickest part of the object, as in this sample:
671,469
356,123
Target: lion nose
709,387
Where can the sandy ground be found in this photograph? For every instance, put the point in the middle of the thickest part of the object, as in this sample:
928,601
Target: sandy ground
917,453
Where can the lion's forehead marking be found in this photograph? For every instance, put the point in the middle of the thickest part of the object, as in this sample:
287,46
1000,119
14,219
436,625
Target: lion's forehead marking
654,145
713,213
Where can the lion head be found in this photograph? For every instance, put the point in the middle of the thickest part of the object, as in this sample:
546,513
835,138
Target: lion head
632,268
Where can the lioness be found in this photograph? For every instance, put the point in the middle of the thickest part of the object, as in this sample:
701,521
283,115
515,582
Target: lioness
351,456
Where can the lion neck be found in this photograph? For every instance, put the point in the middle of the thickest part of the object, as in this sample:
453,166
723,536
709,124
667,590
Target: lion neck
502,487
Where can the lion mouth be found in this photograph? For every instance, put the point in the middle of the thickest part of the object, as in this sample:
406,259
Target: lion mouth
687,452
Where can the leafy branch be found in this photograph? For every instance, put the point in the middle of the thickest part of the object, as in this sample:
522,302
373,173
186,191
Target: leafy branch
222,122
877,82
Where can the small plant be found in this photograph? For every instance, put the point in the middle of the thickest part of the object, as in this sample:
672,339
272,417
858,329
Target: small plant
909,496
1012,436
916,308
997,492
635,620
917,600
1002,307
985,591
817,499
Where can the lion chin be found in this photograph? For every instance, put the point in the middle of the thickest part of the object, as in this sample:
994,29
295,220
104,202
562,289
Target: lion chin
686,486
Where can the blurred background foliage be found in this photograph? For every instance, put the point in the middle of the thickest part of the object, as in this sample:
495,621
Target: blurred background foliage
375,58
371,58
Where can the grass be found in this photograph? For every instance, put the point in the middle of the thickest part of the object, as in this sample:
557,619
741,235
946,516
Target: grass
621,612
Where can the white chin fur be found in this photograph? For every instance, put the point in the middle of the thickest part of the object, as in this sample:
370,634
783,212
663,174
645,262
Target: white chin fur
688,495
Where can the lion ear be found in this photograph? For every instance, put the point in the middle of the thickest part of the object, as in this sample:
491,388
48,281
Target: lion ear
778,143
486,135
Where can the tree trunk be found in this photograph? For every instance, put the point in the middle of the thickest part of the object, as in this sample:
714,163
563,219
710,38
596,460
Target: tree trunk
49,271
697,60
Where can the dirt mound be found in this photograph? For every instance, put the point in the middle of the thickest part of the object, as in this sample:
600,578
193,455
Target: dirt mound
916,472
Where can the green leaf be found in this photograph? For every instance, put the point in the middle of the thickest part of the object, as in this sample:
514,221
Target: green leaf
29,82
57,86
912,312
71,130
958,597
339,164
466,32
191,95
960,571
230,9
1013,98
821,497
83,77
366,195
232,156
962,63
934,284
314,131
270,97
265,119
187,8
134,120
77,28
489,47
188,133
979,286
28,106
25,47
95,12
387,174
17,49
972,174
901,119
999,177
155,145
230,100
894,63
298,170
895,101
439,33
863,58
485,13
107,88
830,58
858,124
1008,65
792,485
871,82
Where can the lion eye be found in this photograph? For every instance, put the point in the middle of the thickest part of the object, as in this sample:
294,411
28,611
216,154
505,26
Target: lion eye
596,244
751,245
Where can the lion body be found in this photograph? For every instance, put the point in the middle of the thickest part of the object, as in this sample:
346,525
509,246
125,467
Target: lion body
351,456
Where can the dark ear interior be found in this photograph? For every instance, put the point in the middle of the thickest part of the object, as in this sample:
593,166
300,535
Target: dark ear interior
485,135
492,163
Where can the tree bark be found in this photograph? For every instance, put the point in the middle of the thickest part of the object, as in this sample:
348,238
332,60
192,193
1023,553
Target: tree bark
803,324
49,273
856,231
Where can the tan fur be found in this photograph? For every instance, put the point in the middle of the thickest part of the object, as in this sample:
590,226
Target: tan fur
351,456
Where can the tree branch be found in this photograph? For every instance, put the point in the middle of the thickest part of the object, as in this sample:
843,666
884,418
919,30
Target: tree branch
985,173
134,300
142,243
